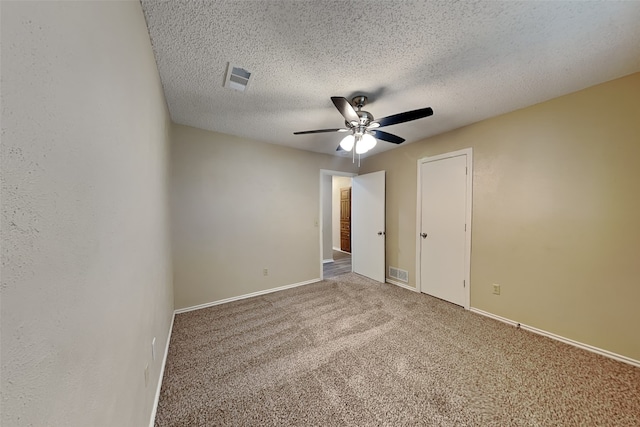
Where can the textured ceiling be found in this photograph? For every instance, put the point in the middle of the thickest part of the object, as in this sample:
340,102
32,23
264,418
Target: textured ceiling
467,60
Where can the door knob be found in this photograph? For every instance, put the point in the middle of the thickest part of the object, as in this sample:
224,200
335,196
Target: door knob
424,235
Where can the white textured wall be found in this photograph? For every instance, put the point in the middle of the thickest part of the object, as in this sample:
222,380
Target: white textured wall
239,206
86,269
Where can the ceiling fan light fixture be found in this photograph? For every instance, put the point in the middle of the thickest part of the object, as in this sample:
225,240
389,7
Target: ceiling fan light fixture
347,142
365,143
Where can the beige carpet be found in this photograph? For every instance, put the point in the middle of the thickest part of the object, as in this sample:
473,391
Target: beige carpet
351,352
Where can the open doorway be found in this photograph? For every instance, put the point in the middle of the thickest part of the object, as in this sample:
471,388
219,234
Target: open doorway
367,223
340,227
335,224
341,213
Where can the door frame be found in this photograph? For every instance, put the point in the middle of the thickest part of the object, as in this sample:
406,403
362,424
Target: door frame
323,173
469,204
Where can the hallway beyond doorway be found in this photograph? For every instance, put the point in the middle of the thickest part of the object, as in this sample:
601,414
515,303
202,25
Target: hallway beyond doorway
341,264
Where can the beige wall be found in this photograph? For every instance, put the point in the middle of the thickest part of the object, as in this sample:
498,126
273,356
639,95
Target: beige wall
556,201
86,276
338,183
238,207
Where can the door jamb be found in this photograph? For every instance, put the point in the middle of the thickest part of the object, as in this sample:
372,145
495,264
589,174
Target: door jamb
469,204
324,172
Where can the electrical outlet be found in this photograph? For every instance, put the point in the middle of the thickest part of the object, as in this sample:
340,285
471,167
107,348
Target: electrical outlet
265,271
146,375
496,289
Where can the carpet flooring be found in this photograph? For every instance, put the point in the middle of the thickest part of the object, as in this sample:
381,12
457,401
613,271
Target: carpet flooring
348,351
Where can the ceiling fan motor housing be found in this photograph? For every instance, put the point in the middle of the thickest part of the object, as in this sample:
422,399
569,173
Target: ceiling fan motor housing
365,118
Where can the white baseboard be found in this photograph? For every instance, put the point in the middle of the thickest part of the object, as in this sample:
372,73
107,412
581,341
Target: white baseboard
542,332
239,297
402,285
164,362
340,250
326,261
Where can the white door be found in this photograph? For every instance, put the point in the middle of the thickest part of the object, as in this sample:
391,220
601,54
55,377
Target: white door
367,225
443,184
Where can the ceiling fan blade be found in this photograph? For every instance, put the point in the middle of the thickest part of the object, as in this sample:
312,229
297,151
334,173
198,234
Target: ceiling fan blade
345,109
385,136
320,131
407,116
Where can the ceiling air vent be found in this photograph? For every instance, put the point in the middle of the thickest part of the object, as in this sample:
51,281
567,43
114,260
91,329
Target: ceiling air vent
237,78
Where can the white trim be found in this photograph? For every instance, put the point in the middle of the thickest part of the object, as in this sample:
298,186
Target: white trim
402,285
164,362
418,227
251,295
327,261
560,338
468,216
340,250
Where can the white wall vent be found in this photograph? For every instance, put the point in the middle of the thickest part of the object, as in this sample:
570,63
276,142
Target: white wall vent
237,78
396,273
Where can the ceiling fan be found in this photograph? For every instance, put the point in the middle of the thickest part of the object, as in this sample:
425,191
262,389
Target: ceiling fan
363,128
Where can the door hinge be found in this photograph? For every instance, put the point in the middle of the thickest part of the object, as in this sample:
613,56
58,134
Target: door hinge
464,283
466,170
465,227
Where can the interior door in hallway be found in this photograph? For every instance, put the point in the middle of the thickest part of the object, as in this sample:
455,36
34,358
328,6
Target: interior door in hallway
345,219
368,225
442,235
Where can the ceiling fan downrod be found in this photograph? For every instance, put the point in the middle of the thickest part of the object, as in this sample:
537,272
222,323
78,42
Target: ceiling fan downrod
364,117
359,101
